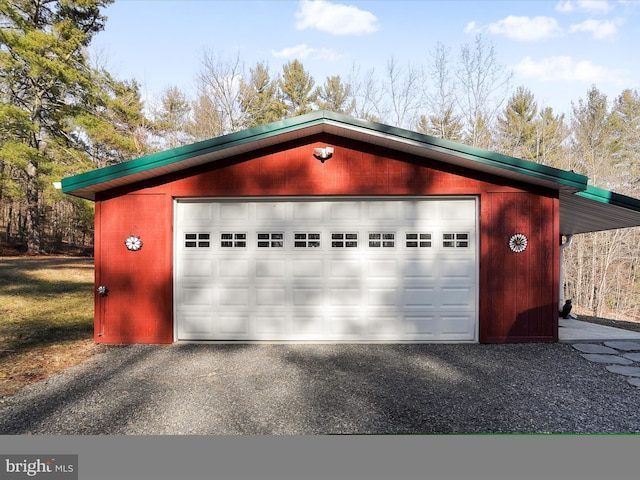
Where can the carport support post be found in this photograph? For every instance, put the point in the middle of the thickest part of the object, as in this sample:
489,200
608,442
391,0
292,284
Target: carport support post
562,247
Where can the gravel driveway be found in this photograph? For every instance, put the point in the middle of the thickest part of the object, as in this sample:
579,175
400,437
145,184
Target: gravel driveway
327,389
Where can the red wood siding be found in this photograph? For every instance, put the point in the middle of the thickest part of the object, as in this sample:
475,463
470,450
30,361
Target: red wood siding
138,307
518,292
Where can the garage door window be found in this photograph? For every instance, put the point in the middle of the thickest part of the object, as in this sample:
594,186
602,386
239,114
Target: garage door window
418,240
306,240
233,240
271,240
344,240
455,240
197,240
382,240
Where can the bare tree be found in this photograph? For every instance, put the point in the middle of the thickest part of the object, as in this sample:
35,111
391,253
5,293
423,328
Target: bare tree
483,84
403,91
442,119
367,94
219,82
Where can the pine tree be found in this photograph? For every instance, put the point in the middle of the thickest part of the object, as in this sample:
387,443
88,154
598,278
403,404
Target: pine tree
296,88
336,96
43,72
516,126
258,98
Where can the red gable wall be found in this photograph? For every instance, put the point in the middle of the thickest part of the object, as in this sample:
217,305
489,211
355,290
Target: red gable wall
518,292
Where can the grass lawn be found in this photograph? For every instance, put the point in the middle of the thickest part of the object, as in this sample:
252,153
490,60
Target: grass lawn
46,317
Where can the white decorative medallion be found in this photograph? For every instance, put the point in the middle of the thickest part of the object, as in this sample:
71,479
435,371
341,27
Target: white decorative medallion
518,243
133,243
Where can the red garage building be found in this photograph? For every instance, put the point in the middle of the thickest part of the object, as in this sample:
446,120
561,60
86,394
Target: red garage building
330,229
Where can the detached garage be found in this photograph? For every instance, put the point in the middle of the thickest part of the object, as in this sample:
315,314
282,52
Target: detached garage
324,228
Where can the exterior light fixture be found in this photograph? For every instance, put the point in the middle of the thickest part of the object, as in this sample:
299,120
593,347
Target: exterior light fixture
323,154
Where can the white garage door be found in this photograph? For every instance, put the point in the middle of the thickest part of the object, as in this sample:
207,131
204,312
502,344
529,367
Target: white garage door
402,270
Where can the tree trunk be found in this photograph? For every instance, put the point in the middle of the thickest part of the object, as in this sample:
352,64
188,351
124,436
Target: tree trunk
34,241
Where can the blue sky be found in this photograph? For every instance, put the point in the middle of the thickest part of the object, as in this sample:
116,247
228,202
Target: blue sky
556,48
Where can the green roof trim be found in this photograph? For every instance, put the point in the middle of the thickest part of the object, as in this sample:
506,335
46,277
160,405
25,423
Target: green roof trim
168,157
160,160
485,157
610,198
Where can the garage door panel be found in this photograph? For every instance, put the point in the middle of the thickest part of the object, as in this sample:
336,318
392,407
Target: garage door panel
234,213
269,213
271,297
232,325
342,268
344,297
458,269
308,327
456,324
382,269
234,296
457,297
419,297
308,269
382,297
377,211
196,214
385,326
423,325
340,212
198,269
270,269
275,325
196,298
347,327
234,269
308,212
346,270
193,327
308,297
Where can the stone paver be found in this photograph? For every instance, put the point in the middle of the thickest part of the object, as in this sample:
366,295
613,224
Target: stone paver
592,348
632,356
625,370
634,381
623,345
611,359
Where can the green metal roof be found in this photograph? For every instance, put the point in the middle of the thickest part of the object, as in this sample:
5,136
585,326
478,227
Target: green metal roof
575,192
87,184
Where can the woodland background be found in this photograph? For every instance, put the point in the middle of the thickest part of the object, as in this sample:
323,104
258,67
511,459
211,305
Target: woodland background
62,113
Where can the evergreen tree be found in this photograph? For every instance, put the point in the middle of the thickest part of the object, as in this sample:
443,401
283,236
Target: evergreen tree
551,138
43,74
592,140
296,89
172,119
112,128
258,98
446,125
336,96
625,119
516,126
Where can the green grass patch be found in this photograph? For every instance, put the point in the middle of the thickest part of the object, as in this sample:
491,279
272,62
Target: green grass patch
46,317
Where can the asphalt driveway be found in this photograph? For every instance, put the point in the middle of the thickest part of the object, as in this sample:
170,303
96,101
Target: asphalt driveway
327,389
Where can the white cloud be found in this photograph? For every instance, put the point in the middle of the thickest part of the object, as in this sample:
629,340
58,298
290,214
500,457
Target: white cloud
591,6
335,18
599,29
567,70
472,27
525,29
299,51
303,51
